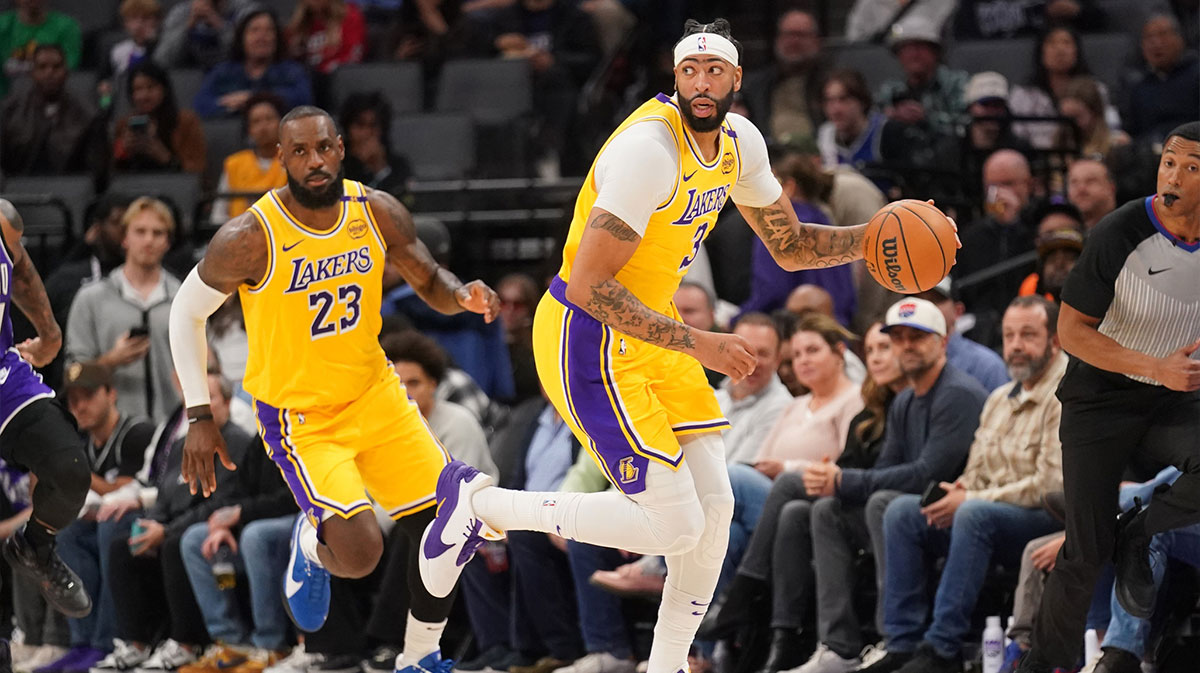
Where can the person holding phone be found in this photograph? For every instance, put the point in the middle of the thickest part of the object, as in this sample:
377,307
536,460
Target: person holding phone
157,135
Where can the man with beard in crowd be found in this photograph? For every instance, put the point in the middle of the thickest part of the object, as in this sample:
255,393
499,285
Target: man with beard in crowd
785,97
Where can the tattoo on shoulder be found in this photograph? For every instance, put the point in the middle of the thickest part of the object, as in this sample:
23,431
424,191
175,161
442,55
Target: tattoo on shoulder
238,252
615,226
10,213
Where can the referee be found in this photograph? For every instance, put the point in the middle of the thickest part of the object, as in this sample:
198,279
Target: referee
1130,321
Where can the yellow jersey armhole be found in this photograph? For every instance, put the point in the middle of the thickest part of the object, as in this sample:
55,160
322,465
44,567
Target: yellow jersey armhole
262,221
370,211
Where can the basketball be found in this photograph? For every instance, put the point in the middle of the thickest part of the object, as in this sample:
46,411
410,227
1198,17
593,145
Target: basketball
909,246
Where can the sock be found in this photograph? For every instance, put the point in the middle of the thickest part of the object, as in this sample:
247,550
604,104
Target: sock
679,616
309,542
420,639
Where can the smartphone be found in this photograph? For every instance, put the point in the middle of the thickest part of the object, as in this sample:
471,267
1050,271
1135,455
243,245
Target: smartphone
932,494
139,123
139,331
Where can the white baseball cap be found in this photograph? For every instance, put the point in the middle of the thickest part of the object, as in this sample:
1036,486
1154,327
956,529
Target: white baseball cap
917,314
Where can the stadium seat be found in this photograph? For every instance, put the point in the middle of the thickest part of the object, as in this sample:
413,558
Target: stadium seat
1012,58
92,15
283,9
75,191
82,83
186,82
400,83
181,189
438,146
222,137
493,91
1108,54
875,62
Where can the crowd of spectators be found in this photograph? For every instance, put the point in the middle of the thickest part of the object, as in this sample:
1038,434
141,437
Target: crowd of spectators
852,412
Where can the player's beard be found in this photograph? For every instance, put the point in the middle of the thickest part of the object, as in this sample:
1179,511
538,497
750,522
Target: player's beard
706,124
317,199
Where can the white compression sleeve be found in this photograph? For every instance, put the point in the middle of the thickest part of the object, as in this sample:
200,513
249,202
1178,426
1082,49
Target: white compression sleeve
191,307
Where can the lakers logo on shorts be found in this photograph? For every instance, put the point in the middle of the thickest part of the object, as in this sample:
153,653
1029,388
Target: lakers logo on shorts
628,472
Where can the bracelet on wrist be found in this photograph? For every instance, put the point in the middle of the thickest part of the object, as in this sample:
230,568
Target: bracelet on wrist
199,417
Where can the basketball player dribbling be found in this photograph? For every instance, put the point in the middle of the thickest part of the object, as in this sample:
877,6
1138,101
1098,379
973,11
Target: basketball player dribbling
307,261
617,363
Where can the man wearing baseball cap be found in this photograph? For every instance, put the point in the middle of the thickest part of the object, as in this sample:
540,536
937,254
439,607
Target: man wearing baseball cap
1059,244
969,356
917,44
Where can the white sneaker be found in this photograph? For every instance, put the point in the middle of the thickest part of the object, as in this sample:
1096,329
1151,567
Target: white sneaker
296,662
872,654
456,532
124,657
46,654
599,662
168,656
825,660
20,651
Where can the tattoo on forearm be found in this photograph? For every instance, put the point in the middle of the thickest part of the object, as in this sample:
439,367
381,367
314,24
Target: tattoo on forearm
613,225
614,305
813,246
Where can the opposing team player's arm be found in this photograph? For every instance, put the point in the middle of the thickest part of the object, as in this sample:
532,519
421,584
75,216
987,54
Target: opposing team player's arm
796,245
237,254
433,283
28,293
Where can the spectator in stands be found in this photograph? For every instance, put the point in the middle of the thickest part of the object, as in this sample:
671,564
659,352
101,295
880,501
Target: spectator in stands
872,20
256,63
116,448
30,25
432,31
519,296
255,169
1091,189
980,362
989,128
1057,59
784,98
157,135
754,404
784,530
562,47
989,513
1059,241
853,134
146,570
1082,102
934,92
324,34
1167,91
697,308
47,129
141,20
121,321
803,300
998,19
1004,232
770,285
199,33
366,121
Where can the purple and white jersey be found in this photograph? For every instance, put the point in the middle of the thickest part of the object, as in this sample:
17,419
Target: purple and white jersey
19,384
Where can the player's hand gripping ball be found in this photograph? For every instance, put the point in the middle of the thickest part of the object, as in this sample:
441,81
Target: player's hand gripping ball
909,246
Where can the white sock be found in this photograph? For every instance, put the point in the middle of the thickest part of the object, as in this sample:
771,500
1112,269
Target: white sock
675,628
308,542
420,639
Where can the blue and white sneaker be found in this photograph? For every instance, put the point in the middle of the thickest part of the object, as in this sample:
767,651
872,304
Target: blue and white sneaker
430,663
305,586
456,532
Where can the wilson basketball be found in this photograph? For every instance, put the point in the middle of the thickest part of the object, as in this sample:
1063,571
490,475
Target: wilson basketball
909,246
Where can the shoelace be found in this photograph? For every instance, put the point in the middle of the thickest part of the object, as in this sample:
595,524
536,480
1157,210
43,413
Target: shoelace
474,541
443,666
318,578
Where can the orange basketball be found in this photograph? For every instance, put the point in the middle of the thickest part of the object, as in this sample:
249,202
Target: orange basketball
909,246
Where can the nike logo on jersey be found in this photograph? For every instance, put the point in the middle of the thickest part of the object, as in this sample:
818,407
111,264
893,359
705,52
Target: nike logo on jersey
289,247
1152,271
3,375
689,175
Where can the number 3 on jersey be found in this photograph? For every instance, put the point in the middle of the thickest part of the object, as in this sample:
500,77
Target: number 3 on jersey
696,241
322,302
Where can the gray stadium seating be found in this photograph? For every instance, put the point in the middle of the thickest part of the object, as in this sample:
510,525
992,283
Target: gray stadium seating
492,91
75,191
186,82
875,62
222,137
438,146
401,83
92,15
1012,58
1108,54
181,189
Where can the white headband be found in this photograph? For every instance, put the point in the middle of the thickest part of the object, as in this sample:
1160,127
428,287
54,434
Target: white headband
698,44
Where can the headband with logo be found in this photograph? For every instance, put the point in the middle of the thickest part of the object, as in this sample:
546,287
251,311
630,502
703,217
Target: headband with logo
701,44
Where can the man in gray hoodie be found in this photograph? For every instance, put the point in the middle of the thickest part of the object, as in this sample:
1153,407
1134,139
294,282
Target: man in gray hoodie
120,321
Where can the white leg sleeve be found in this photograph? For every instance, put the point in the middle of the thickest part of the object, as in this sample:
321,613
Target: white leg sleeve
692,575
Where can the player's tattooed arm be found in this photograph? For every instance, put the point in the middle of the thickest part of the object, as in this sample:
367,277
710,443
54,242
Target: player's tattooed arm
28,293
797,245
237,255
433,283
606,246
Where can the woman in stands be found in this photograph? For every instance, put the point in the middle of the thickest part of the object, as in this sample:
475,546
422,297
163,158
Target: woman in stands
156,135
366,120
256,168
325,34
257,63
1083,102
1057,59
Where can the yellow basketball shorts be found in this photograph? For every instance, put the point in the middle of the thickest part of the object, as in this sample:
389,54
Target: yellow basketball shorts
626,400
332,456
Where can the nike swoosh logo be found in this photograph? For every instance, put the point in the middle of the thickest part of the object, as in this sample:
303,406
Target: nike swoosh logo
434,547
1153,271
291,586
3,375
289,247
689,175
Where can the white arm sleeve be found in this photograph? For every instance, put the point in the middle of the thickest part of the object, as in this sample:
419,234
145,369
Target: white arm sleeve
756,186
194,302
636,173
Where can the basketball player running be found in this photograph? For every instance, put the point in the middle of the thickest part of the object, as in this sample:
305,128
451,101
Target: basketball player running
36,432
307,261
617,363
1131,323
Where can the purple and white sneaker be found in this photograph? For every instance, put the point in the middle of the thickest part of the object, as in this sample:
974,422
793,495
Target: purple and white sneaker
456,532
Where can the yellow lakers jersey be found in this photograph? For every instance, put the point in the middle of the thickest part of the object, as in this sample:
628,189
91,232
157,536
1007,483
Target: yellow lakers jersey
678,225
313,320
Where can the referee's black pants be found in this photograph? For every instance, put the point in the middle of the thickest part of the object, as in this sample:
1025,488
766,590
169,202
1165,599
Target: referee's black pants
1101,429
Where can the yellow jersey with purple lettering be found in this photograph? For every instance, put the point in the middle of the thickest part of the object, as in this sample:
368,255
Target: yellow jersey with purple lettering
678,225
313,320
